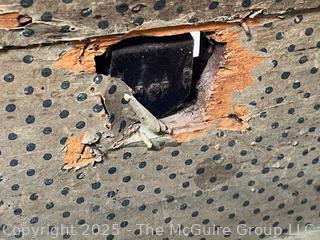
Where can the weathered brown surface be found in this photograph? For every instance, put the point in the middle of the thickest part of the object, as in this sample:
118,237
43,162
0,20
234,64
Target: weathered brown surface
9,20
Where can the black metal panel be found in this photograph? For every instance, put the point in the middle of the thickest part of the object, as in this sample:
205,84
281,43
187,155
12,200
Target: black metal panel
158,69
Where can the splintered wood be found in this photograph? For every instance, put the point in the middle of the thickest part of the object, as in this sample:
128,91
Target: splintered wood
233,75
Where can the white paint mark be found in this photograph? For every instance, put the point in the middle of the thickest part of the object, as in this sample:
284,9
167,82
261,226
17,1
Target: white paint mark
196,43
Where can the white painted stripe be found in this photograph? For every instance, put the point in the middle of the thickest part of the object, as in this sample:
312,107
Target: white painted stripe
196,43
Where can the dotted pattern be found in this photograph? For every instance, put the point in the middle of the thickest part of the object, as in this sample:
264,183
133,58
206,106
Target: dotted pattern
67,20
266,176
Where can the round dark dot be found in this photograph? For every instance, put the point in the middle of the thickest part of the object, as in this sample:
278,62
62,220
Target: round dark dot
12,136
65,85
26,3
95,185
103,24
172,176
188,162
204,148
193,20
126,155
210,200
80,124
97,108
31,172
10,107
303,59
315,161
85,12
123,224
111,194
317,107
112,118
185,184
46,16
46,72
34,196
157,190
65,29
122,8
221,209
82,97
47,130
290,165
224,188
314,70
142,164
309,31
291,111
47,156
112,170
213,179
98,79
267,25
138,21
47,103
17,211
239,174
49,205
175,153
28,90
65,191
140,188
268,90
246,203
15,187
298,18
246,3
243,152
112,89
123,124
67,1
14,162
291,48
279,100
279,35
254,161
213,5
66,214
142,207
258,139
300,174
231,143
126,179
96,208
30,147
111,216
159,5
125,202
28,32
274,63
274,125
251,183
8,77
179,10
300,120
48,181
285,75
296,85
200,171
80,200
216,157
228,166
